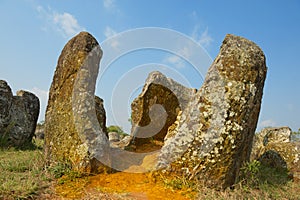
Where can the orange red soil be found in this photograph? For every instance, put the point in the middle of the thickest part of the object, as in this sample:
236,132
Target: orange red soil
120,185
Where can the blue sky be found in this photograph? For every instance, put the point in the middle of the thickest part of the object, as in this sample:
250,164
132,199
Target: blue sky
33,33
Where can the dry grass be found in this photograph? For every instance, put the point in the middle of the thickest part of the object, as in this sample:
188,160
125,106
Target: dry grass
23,175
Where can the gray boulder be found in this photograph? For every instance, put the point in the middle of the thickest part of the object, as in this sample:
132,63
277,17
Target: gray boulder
113,137
18,118
24,114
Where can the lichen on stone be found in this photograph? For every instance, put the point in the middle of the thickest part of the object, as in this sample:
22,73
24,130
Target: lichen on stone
273,146
214,134
75,129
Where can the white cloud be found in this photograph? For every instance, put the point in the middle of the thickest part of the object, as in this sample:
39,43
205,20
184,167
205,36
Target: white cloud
109,4
111,7
175,60
172,59
194,16
203,38
43,94
109,32
43,97
290,107
64,23
178,60
267,123
40,9
113,42
67,23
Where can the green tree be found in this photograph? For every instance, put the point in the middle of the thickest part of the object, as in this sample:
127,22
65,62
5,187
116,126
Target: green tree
297,132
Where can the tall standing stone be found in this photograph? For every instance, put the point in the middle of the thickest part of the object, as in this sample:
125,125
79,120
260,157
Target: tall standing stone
214,134
72,131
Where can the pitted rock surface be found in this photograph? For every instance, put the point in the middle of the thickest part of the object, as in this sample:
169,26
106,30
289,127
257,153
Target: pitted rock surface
271,143
157,107
213,135
24,114
101,114
269,135
6,97
19,115
72,130
113,137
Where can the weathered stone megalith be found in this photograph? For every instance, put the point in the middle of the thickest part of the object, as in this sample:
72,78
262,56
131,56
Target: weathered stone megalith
6,97
213,135
157,107
269,135
72,131
273,147
18,118
25,112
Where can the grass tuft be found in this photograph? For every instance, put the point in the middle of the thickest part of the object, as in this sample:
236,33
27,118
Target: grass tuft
23,173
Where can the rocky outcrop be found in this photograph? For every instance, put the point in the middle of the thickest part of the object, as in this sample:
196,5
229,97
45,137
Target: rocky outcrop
113,137
75,119
157,107
213,135
119,143
273,147
18,118
269,135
